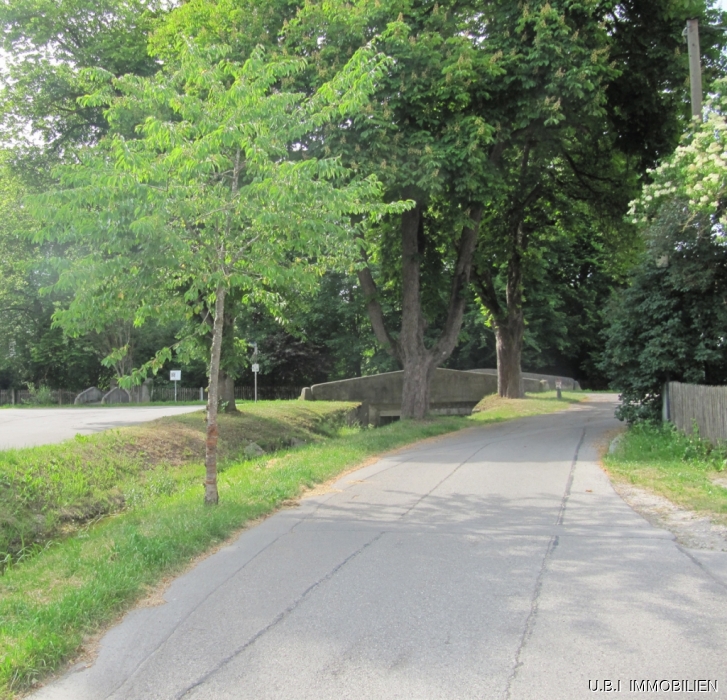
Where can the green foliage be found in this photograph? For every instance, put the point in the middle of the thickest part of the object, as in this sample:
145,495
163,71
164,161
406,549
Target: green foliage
47,46
648,104
680,467
697,170
206,197
671,322
40,395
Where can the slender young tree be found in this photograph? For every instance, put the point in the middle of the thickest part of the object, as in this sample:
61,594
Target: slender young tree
206,198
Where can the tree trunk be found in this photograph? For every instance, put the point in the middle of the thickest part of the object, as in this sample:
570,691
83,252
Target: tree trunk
417,360
211,496
418,373
509,340
507,316
227,392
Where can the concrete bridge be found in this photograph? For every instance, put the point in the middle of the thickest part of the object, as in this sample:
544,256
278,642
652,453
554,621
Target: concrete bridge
453,392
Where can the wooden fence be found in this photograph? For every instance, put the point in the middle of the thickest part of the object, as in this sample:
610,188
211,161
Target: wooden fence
62,397
685,404
242,393
268,393
185,394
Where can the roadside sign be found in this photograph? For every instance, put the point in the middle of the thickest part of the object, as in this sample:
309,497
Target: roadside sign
256,367
175,375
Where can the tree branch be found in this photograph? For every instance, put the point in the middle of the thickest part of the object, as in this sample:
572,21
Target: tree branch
376,313
455,310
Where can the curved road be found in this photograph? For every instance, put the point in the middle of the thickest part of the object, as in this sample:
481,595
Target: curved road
494,563
26,427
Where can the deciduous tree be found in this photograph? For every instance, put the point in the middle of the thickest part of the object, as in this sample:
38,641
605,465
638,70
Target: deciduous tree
207,199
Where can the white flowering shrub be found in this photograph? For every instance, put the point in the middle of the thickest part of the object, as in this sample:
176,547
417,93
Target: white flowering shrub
697,170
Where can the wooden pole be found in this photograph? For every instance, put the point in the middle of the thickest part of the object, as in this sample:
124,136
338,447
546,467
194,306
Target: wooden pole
695,67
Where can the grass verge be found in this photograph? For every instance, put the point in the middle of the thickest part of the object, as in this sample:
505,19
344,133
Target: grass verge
75,585
682,468
51,491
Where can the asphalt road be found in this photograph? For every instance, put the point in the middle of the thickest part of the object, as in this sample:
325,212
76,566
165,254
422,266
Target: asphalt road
495,563
26,427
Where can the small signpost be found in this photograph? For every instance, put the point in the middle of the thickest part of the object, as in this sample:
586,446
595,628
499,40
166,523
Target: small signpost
175,376
255,368
558,387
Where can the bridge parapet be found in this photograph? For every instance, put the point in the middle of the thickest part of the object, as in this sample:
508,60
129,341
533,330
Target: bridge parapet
452,393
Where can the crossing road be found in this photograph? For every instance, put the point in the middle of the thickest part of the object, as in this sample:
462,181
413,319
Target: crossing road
497,563
26,427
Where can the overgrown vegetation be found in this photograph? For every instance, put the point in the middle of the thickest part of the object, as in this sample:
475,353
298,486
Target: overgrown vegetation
683,468
55,489
671,322
76,584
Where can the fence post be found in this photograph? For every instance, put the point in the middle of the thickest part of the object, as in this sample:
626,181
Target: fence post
12,397
665,410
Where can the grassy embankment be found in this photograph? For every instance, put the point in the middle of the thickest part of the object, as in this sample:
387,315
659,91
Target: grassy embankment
95,523
682,468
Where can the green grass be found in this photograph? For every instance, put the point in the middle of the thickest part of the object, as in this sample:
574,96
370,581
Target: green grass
676,466
493,408
73,586
54,489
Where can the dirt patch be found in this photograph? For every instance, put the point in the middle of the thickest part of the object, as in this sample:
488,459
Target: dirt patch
691,529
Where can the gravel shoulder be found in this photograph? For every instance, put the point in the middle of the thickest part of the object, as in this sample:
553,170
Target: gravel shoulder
691,529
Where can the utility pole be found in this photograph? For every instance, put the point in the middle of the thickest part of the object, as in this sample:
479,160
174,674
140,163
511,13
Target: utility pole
695,66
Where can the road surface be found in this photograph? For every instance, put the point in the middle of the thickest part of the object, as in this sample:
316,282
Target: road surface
495,563
26,427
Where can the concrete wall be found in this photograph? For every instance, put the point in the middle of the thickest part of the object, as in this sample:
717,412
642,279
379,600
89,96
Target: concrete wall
90,395
452,393
568,383
448,386
117,395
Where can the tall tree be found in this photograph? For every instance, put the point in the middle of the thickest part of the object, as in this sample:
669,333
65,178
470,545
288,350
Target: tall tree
592,153
463,126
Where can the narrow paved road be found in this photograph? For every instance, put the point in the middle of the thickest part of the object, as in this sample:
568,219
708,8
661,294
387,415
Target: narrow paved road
496,563
26,427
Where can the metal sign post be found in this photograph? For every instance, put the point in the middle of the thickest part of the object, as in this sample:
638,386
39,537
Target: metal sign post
175,376
255,368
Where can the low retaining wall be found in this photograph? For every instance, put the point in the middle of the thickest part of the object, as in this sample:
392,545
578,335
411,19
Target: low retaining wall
117,395
90,395
452,393
567,383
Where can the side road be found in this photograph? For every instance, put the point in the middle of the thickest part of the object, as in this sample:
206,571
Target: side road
28,427
493,563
